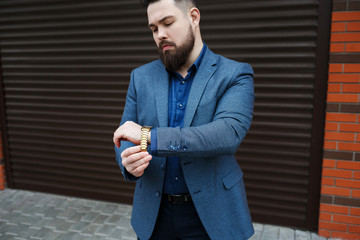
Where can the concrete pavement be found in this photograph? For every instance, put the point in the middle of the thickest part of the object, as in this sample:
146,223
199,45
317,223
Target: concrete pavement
31,215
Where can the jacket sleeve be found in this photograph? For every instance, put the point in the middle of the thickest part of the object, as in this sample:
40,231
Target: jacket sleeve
129,114
222,136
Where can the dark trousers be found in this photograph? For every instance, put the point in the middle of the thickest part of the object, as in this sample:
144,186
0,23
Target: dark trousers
178,222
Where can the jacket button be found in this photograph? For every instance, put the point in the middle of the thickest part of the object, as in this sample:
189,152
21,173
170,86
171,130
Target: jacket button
171,147
157,194
162,167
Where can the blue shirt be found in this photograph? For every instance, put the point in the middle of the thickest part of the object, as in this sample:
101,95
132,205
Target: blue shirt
179,90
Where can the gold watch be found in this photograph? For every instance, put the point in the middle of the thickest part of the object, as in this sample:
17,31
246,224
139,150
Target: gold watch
145,130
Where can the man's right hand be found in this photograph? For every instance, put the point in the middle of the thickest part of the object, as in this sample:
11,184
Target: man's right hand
135,161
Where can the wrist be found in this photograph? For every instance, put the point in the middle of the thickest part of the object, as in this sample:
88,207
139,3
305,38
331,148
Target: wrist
149,138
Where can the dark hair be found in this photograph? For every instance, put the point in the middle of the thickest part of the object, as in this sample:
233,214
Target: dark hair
146,3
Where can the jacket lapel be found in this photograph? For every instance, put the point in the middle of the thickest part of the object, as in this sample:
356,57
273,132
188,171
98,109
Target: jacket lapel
161,92
204,73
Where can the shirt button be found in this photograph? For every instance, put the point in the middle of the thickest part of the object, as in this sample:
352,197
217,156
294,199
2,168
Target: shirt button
157,194
182,82
180,105
162,167
176,178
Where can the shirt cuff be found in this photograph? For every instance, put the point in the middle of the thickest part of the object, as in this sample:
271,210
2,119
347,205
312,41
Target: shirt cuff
153,149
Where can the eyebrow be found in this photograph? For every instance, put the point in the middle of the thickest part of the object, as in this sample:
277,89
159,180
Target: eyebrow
161,20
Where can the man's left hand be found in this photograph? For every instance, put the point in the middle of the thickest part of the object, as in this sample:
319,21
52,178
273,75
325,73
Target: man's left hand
129,131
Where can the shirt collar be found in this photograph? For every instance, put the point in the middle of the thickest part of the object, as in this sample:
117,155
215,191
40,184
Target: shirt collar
200,58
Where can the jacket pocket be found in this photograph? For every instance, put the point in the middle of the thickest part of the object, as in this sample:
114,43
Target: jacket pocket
232,178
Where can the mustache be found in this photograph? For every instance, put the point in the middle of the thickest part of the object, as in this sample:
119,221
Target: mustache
162,43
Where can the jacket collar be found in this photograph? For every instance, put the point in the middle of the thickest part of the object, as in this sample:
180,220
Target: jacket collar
161,88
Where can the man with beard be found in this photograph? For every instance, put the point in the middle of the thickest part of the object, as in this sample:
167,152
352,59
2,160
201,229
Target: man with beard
184,118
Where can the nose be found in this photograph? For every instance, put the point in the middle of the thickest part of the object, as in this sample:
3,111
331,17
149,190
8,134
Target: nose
161,34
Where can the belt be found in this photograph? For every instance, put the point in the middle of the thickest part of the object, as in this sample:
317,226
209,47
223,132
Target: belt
177,198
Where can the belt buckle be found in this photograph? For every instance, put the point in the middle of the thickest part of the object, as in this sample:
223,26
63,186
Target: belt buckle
178,198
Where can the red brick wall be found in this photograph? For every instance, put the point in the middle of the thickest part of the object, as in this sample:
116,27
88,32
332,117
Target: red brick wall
340,192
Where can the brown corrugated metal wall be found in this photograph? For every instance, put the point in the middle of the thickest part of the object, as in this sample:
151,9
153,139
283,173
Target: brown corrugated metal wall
66,67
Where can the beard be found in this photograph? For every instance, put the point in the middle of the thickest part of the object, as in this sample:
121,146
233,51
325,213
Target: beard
174,61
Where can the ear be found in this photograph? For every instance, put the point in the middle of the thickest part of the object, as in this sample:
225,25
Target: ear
194,15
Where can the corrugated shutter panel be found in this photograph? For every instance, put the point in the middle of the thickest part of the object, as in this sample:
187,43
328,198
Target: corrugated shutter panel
278,38
66,67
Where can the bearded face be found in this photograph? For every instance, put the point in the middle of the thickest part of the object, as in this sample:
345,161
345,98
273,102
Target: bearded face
173,59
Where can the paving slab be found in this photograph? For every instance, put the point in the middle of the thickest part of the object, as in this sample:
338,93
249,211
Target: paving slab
30,215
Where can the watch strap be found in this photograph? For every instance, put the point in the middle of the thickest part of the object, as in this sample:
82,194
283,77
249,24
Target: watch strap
145,130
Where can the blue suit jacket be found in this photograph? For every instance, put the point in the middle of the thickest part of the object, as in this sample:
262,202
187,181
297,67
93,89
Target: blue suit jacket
217,117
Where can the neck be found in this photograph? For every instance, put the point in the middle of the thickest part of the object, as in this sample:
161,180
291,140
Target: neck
195,53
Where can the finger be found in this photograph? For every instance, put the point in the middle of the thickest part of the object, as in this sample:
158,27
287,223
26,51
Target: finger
138,172
135,160
117,138
132,154
131,150
117,143
136,164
